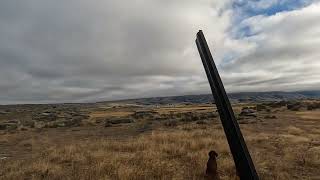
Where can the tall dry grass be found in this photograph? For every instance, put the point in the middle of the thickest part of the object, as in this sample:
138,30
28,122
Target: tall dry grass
176,154
179,153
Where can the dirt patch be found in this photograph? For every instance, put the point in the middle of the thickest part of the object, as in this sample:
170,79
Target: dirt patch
312,115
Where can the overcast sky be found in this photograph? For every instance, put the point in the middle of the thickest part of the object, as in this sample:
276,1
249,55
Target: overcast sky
84,51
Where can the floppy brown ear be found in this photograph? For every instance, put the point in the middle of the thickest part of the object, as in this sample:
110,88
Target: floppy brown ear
213,154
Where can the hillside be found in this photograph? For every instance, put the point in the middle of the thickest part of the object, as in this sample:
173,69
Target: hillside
234,97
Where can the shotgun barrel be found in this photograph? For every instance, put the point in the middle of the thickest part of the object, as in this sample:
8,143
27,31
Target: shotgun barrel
241,156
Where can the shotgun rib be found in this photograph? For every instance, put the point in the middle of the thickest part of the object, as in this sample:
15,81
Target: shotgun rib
244,165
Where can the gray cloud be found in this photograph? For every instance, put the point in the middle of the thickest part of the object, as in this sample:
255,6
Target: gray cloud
285,53
79,51
73,51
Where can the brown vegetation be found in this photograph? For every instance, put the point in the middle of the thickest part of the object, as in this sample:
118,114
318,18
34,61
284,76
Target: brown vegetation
285,147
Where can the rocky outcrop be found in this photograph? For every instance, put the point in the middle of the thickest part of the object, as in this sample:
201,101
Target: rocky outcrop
248,112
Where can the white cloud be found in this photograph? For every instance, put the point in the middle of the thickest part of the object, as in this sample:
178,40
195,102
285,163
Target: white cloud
286,54
53,51
76,50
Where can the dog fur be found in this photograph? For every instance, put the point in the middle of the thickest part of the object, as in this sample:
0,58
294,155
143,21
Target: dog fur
212,168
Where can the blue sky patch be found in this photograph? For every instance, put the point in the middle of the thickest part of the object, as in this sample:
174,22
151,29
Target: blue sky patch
246,9
267,7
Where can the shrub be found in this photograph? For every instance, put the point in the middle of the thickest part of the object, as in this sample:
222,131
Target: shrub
294,106
270,117
171,123
201,122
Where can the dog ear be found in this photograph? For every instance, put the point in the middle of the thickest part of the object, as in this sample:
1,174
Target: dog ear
213,154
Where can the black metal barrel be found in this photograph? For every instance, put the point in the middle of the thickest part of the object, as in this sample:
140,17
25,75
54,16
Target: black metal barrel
242,159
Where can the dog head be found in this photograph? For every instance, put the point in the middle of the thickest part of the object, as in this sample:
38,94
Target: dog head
213,154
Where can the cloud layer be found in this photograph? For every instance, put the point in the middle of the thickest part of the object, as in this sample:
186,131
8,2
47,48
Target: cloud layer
286,53
79,51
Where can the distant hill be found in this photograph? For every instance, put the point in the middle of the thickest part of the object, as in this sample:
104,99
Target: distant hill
234,97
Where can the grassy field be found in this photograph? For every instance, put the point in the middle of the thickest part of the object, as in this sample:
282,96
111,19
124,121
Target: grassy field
285,147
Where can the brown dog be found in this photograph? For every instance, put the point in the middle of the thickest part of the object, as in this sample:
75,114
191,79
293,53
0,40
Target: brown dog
212,169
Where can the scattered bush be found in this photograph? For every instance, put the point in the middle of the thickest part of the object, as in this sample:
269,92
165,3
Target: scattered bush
294,106
120,121
8,126
277,104
261,107
107,124
144,114
201,122
171,123
313,106
29,123
270,117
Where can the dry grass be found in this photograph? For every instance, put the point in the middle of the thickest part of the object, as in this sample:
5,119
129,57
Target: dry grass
179,153
183,108
282,149
98,114
312,115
